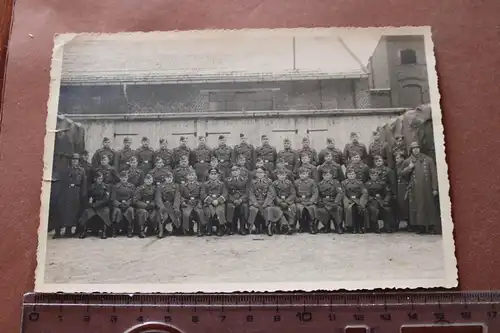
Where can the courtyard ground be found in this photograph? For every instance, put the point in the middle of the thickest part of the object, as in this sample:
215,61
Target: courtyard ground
236,259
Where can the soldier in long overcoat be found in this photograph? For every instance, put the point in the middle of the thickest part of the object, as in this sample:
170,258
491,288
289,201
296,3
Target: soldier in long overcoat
160,171
168,201
422,191
182,170
182,150
145,156
334,151
105,150
97,206
192,195
200,156
330,165
145,206
283,193
135,175
223,153
122,196
354,200
73,190
214,202
122,156
379,203
167,155
289,156
306,200
267,153
261,203
237,201
307,150
355,147
330,202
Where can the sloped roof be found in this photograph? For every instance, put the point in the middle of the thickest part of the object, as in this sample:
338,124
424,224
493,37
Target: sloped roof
161,58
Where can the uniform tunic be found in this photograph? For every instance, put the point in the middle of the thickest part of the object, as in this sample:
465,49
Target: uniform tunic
223,153
192,194
284,195
180,174
110,176
329,201
352,148
362,170
145,205
122,158
289,174
179,152
261,202
377,148
215,190
334,168
291,158
122,197
168,201
237,190
200,157
98,205
311,152
73,189
379,197
268,154
307,196
135,176
246,150
244,173
313,171
99,153
159,174
167,155
355,197
336,155
145,159
401,195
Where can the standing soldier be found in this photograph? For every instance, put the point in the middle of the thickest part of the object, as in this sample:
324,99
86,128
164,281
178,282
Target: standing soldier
223,154
284,195
145,156
237,201
354,147
166,154
182,170
306,164
160,171
261,203
97,205
122,157
105,150
378,206
330,148
377,148
355,197
135,175
168,203
215,201
73,191
307,150
192,194
290,156
182,150
399,147
334,168
201,158
122,196
109,173
267,153
241,162
401,212
307,197
329,202
245,149
87,167
145,205
385,173
362,170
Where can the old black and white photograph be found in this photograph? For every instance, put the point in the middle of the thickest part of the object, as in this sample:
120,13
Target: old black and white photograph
245,160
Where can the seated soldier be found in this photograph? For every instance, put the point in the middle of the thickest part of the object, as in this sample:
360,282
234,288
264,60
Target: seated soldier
334,168
359,167
259,163
135,175
214,164
160,171
378,206
215,202
237,201
122,196
305,163
110,176
241,162
354,201
144,203
281,164
97,207
283,194
191,205
182,170
330,202
307,197
167,198
261,204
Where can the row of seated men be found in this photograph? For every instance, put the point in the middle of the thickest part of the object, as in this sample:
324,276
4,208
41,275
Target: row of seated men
272,201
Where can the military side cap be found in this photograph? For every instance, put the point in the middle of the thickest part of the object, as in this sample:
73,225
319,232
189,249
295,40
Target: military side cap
126,139
303,170
327,171
213,171
259,159
286,140
374,172
123,174
353,134
221,137
414,144
263,136
182,138
260,169
168,174
144,139
148,176
162,141
234,168
242,135
280,160
305,139
184,157
329,140
105,139
85,152
75,156
281,172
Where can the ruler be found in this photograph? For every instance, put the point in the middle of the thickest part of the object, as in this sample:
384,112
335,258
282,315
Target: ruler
457,312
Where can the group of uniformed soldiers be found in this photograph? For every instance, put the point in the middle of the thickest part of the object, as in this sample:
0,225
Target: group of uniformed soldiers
241,189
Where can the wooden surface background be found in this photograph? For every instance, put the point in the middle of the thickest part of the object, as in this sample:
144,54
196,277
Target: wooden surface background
467,41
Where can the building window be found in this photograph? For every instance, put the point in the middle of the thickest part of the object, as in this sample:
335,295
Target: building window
242,100
408,57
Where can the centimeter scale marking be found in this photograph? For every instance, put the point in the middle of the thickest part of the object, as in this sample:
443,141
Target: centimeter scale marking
260,312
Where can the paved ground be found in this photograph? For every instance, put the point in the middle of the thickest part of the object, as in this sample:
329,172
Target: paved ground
245,258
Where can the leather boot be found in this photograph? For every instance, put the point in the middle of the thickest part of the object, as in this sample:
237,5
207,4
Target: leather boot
57,233
270,229
103,233
113,232
161,229
141,233
83,234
